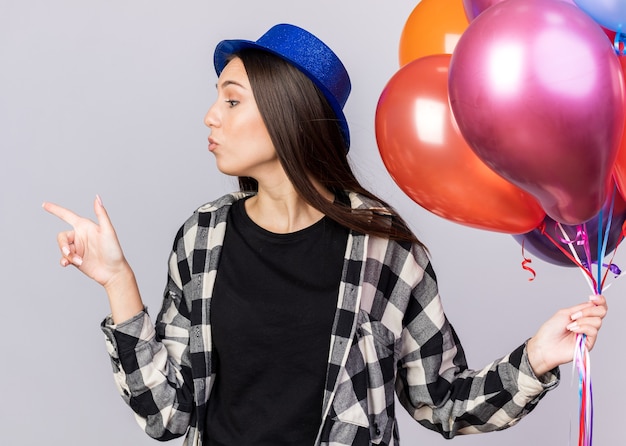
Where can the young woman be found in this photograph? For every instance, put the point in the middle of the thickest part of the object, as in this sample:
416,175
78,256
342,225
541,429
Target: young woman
296,307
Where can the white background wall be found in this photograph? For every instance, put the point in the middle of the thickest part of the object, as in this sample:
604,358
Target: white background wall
108,97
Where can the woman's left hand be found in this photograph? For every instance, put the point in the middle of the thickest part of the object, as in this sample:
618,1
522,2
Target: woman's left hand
554,342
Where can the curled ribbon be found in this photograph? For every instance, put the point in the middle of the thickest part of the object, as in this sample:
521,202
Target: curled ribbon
526,262
542,228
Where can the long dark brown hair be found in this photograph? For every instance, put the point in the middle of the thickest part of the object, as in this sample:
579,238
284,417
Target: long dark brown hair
309,144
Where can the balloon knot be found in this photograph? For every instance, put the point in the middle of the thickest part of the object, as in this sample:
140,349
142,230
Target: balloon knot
542,227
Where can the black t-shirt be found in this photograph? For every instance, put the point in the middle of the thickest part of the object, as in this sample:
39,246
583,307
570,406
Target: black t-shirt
272,313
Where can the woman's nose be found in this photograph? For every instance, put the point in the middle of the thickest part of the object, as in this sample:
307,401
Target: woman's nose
211,119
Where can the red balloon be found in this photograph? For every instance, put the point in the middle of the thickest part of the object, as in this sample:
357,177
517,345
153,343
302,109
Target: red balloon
430,161
538,93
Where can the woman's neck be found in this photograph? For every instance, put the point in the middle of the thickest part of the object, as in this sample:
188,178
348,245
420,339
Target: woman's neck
280,209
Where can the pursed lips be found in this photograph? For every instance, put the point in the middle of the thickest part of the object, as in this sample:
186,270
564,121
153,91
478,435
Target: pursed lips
212,144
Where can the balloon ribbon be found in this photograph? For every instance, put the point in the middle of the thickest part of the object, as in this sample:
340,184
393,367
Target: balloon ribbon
569,255
527,262
585,392
581,361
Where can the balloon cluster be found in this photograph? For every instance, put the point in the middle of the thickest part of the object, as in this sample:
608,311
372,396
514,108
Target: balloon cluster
508,116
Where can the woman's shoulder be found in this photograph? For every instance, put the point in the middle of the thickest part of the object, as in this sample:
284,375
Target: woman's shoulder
360,201
221,203
211,213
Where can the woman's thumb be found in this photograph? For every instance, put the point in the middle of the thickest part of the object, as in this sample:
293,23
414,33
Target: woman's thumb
101,213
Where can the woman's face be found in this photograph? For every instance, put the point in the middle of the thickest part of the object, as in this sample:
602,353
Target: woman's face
239,139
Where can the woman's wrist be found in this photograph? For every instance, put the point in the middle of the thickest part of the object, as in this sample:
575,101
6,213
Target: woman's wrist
536,358
124,296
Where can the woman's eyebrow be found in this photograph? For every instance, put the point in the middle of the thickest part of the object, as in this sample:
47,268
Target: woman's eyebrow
227,82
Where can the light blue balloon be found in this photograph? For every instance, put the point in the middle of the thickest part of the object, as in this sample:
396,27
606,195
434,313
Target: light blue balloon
611,14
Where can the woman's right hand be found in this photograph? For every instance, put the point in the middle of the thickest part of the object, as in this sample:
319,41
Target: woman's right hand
92,248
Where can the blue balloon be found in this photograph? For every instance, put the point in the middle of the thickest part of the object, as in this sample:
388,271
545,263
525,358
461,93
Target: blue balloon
611,14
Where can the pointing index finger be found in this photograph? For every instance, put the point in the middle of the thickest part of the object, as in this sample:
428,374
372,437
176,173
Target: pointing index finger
64,214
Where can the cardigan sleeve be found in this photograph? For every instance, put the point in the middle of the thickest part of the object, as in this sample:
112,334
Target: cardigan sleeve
151,363
435,384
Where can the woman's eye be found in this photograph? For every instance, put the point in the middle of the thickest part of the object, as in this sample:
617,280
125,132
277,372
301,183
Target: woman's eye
232,102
